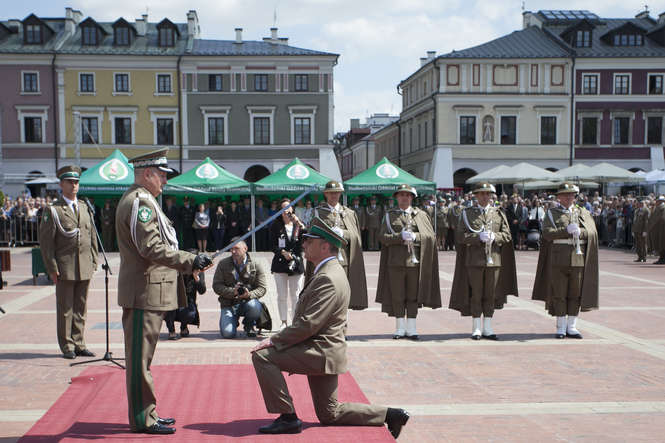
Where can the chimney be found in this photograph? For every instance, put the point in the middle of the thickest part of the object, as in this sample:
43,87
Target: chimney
431,55
423,61
355,123
661,18
141,25
238,35
273,33
16,26
77,16
283,40
643,14
70,24
530,19
193,29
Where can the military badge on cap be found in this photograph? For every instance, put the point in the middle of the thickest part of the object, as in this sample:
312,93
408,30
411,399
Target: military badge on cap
567,188
406,188
333,186
71,172
484,187
144,214
154,159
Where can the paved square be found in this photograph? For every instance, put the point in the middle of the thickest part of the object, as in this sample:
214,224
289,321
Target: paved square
526,387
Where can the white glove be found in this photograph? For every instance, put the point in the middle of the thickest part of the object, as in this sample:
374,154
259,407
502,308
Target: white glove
337,230
644,234
485,237
573,229
408,236
492,236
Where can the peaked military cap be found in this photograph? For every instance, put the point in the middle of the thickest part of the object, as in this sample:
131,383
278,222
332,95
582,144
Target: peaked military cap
406,188
661,198
333,186
567,188
484,187
319,229
153,159
71,172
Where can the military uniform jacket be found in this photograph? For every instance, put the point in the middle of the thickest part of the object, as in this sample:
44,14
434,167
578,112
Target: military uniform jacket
454,213
657,228
252,275
373,216
640,221
470,251
319,321
441,220
360,215
395,253
352,253
68,243
149,255
552,254
108,216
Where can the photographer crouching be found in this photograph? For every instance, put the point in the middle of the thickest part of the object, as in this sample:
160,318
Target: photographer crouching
240,282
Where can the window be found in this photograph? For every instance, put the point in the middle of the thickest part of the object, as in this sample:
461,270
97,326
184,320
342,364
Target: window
87,83
166,37
467,130
121,36
548,130
508,130
583,39
30,82
261,130
33,129
590,84
163,83
302,129
215,82
622,84
655,84
89,36
164,131
89,130
121,82
260,82
655,130
628,40
589,131
33,34
216,130
621,130
123,131
302,82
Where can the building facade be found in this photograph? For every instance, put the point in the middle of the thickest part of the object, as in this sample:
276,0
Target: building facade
78,89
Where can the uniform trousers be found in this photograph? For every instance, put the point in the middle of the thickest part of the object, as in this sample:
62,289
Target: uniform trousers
483,282
71,298
372,241
141,328
640,246
566,290
269,364
404,284
288,288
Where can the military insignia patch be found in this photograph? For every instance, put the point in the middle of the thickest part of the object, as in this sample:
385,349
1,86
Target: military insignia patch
145,214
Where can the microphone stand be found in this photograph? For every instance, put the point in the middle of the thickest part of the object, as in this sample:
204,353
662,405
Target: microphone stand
107,270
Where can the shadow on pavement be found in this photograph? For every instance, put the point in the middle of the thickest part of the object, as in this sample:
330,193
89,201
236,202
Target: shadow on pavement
27,355
237,428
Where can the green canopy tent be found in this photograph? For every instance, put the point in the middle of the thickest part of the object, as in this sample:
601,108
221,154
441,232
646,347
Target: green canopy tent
206,180
384,178
295,177
110,177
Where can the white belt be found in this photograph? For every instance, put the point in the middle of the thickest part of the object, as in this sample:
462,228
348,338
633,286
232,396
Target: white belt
567,241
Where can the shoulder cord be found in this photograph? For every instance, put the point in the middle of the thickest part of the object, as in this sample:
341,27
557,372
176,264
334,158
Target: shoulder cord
166,231
466,222
390,228
76,232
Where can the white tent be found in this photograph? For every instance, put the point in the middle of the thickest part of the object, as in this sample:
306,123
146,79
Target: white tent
487,175
572,173
522,173
606,172
655,176
547,184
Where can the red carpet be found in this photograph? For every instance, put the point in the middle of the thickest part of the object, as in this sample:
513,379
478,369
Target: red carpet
210,403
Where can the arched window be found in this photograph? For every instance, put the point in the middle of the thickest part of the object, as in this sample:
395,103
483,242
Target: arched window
256,173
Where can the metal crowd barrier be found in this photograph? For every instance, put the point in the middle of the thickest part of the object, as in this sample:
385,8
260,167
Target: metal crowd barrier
19,231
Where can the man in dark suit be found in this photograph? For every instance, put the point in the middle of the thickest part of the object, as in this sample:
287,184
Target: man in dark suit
314,345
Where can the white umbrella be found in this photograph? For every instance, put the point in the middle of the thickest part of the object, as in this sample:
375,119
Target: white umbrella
572,172
657,175
547,184
523,172
607,172
487,175
42,181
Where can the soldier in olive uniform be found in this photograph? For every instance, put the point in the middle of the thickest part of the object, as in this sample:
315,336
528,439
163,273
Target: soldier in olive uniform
454,212
345,223
69,248
640,225
362,222
656,229
373,217
441,224
108,226
567,277
409,264
485,270
148,283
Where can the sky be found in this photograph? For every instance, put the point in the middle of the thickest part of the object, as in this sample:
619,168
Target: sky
380,42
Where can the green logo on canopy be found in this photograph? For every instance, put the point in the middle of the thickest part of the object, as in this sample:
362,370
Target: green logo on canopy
145,213
387,171
297,172
113,170
207,170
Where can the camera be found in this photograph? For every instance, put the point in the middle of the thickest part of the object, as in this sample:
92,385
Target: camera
292,267
242,290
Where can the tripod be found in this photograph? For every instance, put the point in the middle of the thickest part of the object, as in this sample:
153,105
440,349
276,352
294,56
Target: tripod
107,271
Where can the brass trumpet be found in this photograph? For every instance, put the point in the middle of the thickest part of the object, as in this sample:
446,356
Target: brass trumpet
575,218
409,244
488,246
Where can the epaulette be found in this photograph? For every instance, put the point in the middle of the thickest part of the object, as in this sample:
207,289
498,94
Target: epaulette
143,195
